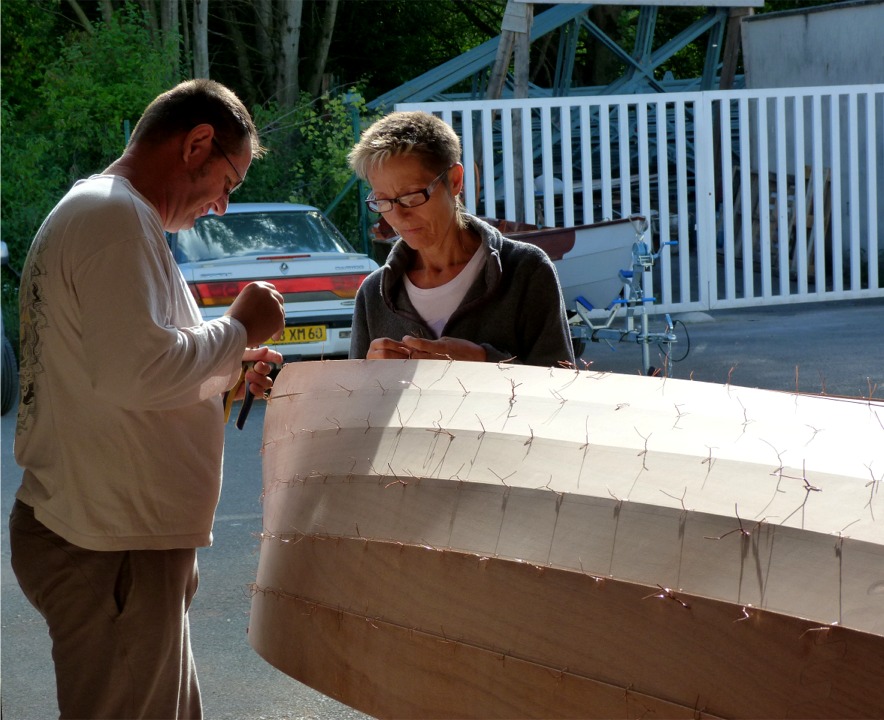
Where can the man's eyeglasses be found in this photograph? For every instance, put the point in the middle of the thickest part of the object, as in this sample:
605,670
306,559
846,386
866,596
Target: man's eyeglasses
409,200
232,166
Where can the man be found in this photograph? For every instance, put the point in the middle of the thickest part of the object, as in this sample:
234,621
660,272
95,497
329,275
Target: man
121,425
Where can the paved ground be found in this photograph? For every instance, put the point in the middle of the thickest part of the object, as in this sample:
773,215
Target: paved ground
833,348
836,348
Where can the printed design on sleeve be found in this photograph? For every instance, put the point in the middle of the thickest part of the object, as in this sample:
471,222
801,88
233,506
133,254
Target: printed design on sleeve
33,320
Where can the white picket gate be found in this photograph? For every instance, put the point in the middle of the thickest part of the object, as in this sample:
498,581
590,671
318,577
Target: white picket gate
773,196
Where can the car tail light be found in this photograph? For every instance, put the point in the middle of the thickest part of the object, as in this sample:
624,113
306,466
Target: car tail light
216,294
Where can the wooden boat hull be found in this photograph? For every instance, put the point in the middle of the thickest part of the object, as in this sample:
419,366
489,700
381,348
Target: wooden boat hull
473,540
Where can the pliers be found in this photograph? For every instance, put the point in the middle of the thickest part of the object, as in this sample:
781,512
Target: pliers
231,394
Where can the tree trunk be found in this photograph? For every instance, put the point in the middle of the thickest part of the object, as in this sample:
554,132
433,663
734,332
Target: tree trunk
169,16
201,38
185,35
604,67
245,89
515,35
732,47
264,33
325,37
81,16
546,60
465,8
522,54
501,65
107,11
289,36
150,17
515,29
170,37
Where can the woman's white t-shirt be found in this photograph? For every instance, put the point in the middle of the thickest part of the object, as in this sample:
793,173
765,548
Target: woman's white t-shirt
435,305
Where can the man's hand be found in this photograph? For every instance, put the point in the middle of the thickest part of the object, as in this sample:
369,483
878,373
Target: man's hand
259,307
258,376
445,348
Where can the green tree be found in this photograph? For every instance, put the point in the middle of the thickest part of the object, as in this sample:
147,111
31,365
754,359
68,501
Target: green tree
102,81
65,118
72,121
74,73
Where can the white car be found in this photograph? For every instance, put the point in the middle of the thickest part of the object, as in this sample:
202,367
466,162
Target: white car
296,248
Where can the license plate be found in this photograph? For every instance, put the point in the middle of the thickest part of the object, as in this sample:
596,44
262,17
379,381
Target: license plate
301,334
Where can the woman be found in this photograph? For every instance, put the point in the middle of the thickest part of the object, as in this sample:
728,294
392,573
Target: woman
453,287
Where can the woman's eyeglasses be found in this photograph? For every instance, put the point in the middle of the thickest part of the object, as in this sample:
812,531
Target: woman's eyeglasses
409,200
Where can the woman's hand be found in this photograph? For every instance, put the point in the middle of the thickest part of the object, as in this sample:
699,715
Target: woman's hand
414,348
387,349
445,348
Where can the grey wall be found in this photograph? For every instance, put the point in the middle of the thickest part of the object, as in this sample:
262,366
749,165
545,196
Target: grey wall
841,44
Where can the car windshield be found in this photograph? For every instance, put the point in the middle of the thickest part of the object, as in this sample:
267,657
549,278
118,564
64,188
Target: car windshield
258,233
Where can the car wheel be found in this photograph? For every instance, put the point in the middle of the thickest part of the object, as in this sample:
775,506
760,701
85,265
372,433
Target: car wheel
9,377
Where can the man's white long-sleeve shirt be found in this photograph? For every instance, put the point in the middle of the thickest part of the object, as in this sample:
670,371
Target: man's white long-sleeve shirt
120,426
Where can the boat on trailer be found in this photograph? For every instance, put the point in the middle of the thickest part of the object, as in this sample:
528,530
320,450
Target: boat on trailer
588,258
479,540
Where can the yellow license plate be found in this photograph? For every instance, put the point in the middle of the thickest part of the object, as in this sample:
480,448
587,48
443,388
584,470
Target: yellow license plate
301,334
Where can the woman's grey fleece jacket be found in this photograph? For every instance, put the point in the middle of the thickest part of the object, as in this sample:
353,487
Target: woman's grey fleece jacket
514,309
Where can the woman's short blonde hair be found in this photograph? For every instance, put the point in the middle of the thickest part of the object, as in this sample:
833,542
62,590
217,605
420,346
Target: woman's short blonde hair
414,133
406,133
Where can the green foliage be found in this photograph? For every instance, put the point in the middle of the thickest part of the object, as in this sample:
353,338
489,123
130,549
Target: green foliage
29,44
101,80
388,43
29,171
68,92
72,124
325,130
63,114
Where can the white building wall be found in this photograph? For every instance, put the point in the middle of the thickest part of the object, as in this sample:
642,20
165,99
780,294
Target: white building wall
840,44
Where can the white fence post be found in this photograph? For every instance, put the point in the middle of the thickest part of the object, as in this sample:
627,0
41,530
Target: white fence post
704,164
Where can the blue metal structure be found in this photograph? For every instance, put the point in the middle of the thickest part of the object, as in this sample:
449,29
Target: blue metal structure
573,24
